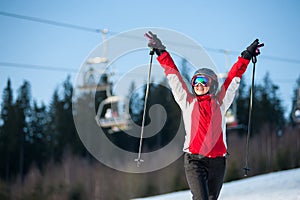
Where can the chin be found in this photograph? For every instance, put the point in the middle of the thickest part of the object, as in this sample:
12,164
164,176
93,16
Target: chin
199,93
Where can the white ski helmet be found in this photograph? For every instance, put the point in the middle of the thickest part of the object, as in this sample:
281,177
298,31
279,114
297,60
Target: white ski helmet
212,75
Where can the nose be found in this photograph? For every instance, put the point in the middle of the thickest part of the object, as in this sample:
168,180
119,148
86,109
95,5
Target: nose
199,84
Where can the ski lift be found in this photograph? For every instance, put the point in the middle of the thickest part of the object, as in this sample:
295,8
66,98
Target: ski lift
112,111
89,78
113,114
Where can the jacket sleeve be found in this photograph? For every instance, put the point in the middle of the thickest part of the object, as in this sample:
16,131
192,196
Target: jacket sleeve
232,82
179,89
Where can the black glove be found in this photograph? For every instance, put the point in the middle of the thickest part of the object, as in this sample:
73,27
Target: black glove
252,50
155,43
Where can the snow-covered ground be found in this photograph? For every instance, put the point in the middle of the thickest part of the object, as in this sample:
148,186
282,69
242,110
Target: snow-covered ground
276,186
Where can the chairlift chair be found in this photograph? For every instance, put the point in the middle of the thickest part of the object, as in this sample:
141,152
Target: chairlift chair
113,114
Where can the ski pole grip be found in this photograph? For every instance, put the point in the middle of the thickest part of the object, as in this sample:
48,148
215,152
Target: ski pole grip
254,60
260,45
146,35
151,53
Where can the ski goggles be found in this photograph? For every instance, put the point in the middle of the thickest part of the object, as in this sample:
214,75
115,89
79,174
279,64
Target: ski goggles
200,79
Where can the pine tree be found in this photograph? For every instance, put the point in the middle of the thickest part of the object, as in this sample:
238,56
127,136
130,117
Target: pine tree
38,139
8,135
55,110
242,101
267,106
23,114
135,104
161,95
69,132
62,133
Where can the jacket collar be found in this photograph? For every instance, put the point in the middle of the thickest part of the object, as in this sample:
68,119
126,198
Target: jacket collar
204,97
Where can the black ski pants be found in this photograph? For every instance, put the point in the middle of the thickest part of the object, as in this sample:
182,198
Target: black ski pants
204,175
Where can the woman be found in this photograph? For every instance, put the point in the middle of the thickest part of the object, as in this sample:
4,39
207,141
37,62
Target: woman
203,113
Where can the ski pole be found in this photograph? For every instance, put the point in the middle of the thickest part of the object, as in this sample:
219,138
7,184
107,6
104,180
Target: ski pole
246,168
138,159
254,60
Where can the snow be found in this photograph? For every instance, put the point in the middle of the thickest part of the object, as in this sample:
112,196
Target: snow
276,186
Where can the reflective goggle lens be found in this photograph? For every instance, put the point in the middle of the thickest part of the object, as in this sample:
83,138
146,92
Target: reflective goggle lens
200,79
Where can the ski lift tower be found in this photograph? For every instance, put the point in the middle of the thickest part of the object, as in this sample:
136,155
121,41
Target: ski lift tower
91,76
112,110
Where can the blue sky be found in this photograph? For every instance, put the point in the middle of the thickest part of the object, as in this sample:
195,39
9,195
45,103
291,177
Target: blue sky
227,25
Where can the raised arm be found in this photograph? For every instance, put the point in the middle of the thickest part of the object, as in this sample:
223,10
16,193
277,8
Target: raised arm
176,82
232,82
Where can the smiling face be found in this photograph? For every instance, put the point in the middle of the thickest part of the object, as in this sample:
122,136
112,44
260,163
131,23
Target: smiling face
201,84
199,89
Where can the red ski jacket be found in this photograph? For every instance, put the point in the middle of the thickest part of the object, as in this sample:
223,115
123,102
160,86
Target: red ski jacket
204,116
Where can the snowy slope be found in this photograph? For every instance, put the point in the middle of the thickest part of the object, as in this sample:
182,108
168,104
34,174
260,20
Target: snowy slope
276,186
